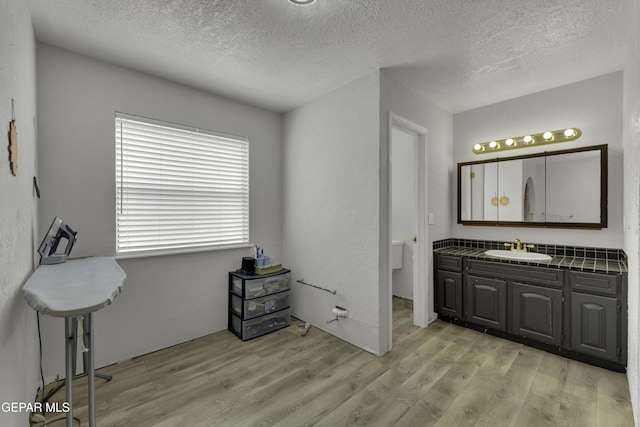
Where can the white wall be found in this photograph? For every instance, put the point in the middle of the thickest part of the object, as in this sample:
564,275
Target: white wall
331,209
166,299
631,138
336,202
402,202
594,106
18,211
399,99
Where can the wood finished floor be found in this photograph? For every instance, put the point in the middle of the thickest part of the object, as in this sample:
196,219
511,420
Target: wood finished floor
444,375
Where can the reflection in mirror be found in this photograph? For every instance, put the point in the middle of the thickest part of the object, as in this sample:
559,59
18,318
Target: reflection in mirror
533,190
479,192
510,190
577,174
566,188
466,193
506,191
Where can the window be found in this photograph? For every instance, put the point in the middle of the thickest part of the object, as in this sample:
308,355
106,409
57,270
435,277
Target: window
179,188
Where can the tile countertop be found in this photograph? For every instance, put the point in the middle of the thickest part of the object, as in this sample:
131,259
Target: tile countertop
595,265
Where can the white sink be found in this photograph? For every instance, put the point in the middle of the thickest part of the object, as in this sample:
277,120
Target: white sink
521,256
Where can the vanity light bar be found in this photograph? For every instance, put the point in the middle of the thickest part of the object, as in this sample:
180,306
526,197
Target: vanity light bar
549,137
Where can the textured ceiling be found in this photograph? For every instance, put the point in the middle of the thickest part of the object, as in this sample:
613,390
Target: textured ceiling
461,54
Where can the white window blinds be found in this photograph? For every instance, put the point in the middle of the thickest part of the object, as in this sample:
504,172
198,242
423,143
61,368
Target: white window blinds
179,188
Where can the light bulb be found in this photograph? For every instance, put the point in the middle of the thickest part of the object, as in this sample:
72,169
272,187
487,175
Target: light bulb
302,2
569,133
493,144
528,139
477,147
547,135
509,142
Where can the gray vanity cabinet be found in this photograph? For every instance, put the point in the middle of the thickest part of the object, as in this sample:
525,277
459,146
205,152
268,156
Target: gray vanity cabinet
596,310
575,313
537,313
594,325
449,294
486,302
518,299
448,290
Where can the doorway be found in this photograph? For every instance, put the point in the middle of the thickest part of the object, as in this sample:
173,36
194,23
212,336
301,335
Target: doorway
403,148
407,216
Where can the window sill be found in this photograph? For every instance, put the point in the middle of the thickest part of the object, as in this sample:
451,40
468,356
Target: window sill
150,254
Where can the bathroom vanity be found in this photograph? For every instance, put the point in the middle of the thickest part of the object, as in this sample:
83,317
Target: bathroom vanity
574,305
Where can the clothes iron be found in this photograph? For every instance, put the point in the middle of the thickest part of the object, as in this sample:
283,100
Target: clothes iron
49,246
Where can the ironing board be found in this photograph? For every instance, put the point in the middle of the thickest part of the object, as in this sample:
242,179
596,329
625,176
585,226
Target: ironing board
71,290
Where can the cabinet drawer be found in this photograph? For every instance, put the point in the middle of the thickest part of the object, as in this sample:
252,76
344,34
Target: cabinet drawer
446,262
254,286
248,309
524,273
594,282
248,329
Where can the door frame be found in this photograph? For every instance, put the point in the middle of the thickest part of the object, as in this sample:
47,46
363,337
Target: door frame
421,300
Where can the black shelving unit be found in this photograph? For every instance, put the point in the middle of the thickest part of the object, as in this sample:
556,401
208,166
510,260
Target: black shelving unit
258,303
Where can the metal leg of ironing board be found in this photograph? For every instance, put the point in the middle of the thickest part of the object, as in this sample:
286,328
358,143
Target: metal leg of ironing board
103,376
73,336
69,364
89,365
74,346
85,358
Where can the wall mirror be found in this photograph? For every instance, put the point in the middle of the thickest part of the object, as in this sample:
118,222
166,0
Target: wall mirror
561,189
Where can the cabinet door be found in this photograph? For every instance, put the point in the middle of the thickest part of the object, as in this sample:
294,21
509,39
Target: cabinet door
537,313
449,294
486,302
594,325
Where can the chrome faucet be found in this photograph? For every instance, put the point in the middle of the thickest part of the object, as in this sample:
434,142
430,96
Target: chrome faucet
518,246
